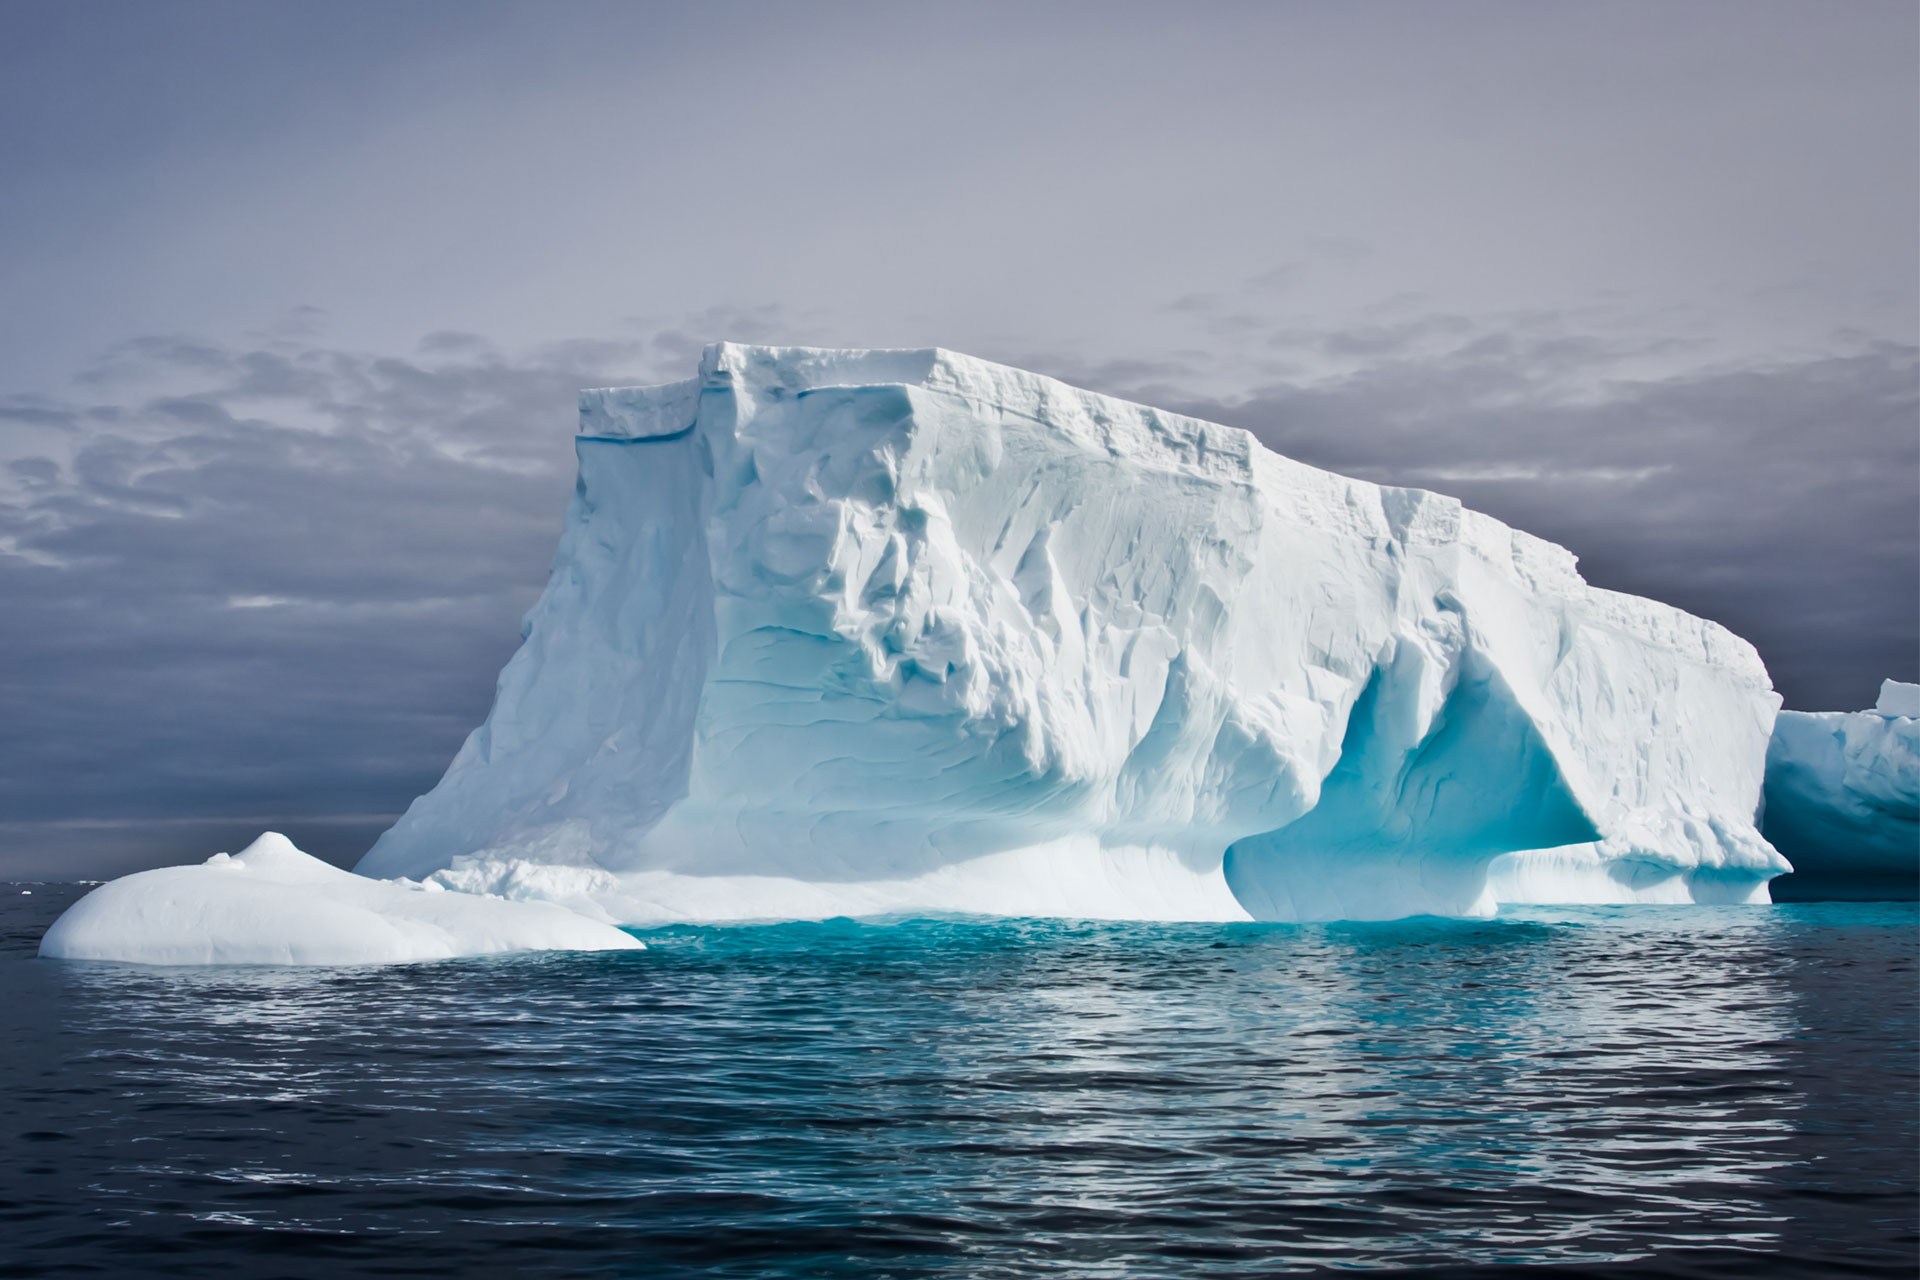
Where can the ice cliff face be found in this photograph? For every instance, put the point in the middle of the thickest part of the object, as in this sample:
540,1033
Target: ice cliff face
846,631
1843,797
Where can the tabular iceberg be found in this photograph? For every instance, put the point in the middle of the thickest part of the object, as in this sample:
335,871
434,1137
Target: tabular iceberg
273,904
1843,797
861,631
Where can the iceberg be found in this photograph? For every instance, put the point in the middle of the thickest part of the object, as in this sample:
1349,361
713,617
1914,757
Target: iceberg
847,632
1843,798
273,904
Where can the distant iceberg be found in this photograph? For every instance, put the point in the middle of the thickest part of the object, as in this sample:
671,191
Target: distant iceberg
1843,797
273,904
844,632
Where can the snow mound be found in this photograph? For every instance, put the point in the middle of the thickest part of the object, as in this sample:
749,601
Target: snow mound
1843,797
273,904
848,631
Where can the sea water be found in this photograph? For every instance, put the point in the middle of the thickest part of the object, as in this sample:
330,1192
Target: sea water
1646,1091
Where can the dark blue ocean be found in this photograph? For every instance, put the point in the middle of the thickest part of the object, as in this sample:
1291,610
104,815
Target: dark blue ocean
1645,1091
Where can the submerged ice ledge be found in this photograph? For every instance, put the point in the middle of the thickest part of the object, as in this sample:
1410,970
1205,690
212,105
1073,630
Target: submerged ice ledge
837,632
273,904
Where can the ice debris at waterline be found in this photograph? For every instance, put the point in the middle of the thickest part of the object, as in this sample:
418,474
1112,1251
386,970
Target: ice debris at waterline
1843,797
273,904
863,631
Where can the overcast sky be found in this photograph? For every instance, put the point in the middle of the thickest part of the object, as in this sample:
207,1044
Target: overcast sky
298,295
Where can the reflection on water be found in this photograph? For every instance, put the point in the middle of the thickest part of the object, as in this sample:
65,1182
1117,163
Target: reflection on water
1668,1089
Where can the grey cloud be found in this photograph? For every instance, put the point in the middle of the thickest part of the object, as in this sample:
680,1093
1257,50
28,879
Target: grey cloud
1195,303
1375,340
451,341
137,357
1276,279
35,471
30,411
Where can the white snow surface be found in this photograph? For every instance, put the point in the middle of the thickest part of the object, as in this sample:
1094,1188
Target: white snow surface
1843,788
273,904
1898,700
844,632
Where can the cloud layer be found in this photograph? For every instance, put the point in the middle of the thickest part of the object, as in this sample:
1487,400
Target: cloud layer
271,585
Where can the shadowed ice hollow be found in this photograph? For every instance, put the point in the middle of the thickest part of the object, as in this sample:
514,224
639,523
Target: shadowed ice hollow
1843,796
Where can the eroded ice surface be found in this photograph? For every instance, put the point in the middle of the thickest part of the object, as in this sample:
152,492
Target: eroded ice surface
851,631
1843,796
273,904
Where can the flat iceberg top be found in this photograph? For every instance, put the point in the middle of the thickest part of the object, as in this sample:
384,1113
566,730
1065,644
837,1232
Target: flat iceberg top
273,904
1144,437
668,409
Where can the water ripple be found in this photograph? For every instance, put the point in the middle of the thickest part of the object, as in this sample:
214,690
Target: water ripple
1661,1091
